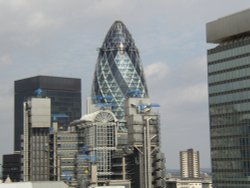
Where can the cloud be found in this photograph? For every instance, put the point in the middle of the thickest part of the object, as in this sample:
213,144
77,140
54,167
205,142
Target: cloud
60,38
5,61
157,71
179,87
191,94
189,82
101,6
40,20
198,64
6,115
182,94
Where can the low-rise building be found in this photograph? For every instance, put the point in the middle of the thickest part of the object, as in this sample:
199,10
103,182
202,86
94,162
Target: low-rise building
188,183
11,167
37,184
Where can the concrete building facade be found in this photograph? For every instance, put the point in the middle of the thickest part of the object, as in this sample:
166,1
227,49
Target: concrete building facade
48,150
229,96
35,152
146,162
63,146
190,164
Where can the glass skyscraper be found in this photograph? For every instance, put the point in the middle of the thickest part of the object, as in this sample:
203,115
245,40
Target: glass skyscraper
229,99
118,71
65,95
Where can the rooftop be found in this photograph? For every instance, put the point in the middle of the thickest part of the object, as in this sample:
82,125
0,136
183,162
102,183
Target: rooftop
228,27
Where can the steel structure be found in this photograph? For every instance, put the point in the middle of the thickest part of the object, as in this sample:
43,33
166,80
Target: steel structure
97,140
146,163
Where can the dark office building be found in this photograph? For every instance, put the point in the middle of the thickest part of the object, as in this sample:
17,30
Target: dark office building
12,167
65,95
229,99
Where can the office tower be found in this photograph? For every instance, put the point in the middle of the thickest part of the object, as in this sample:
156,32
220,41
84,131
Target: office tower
37,121
190,164
82,155
65,94
97,140
229,96
145,162
63,148
118,70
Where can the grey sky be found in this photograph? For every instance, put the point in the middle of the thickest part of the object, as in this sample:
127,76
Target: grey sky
60,38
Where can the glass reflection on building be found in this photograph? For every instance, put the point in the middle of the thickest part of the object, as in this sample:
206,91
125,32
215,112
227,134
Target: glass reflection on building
229,103
118,70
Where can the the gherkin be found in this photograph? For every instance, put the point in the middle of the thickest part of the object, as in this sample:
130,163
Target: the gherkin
118,71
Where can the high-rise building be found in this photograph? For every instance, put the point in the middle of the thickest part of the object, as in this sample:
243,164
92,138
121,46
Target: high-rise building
95,149
35,152
48,150
190,164
97,141
119,77
65,95
145,161
63,146
229,96
118,70
140,162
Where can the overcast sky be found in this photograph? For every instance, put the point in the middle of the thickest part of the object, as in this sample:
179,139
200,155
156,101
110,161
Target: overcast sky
61,37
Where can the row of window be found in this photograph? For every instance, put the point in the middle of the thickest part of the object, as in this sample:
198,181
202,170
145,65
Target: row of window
229,63
229,128
230,109
230,142
61,93
237,42
229,70
230,87
229,53
230,97
231,75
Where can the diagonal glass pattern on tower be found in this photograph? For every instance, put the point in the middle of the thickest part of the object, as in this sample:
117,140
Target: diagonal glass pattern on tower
118,70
